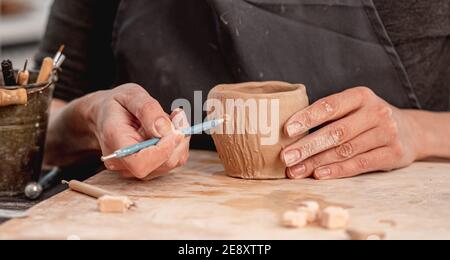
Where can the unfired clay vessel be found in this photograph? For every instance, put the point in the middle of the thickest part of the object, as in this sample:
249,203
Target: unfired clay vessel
244,155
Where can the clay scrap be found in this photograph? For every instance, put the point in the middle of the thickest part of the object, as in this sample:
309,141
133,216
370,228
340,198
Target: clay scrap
250,143
309,212
334,218
312,208
295,219
114,204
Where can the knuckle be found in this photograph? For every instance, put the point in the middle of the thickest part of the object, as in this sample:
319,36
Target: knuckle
345,151
118,94
125,89
385,111
364,93
328,106
338,133
132,87
321,110
362,163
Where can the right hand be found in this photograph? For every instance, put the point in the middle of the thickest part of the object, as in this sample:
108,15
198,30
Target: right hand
128,115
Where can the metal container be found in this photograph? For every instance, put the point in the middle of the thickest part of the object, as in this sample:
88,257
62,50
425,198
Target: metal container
22,137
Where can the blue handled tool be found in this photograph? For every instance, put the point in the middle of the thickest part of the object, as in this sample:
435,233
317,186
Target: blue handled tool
124,152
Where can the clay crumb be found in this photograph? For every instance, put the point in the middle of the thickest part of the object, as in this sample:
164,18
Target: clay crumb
294,219
114,204
360,234
312,208
334,218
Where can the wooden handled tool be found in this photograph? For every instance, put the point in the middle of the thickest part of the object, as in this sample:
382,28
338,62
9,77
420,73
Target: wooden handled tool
46,71
87,189
58,56
10,97
23,76
95,192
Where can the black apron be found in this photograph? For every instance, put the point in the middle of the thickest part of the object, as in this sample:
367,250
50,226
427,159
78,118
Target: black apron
173,48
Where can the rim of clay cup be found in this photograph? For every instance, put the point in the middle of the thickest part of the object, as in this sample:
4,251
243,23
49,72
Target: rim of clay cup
260,89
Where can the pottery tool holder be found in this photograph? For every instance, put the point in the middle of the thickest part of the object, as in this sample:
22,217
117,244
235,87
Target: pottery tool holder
24,113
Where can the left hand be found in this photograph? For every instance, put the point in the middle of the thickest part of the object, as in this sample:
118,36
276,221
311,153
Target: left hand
361,133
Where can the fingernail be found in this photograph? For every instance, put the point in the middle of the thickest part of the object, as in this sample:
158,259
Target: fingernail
180,120
291,157
294,129
163,126
323,173
297,171
177,110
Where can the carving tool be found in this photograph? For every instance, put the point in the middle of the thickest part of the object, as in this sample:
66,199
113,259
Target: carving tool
8,73
46,70
90,190
60,61
87,189
23,76
10,97
141,146
58,55
34,189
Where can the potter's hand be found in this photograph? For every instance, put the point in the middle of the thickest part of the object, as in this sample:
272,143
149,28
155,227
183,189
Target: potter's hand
360,133
128,115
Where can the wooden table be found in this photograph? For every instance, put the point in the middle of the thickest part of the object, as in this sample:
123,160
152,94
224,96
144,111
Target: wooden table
200,202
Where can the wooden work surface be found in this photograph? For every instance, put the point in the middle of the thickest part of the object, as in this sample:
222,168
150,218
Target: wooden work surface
200,202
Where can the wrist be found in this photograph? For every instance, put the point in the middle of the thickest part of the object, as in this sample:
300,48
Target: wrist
424,138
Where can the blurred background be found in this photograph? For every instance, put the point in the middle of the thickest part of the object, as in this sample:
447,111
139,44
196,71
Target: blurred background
22,25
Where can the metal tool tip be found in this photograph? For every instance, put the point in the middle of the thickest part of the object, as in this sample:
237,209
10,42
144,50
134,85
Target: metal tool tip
33,190
219,122
25,65
60,61
61,48
108,157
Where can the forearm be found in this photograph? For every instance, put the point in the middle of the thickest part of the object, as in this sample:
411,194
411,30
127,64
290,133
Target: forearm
68,138
433,131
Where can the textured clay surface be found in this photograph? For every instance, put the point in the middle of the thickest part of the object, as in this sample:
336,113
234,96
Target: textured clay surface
244,154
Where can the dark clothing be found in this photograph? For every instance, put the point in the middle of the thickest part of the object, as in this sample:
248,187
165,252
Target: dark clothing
420,30
174,47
